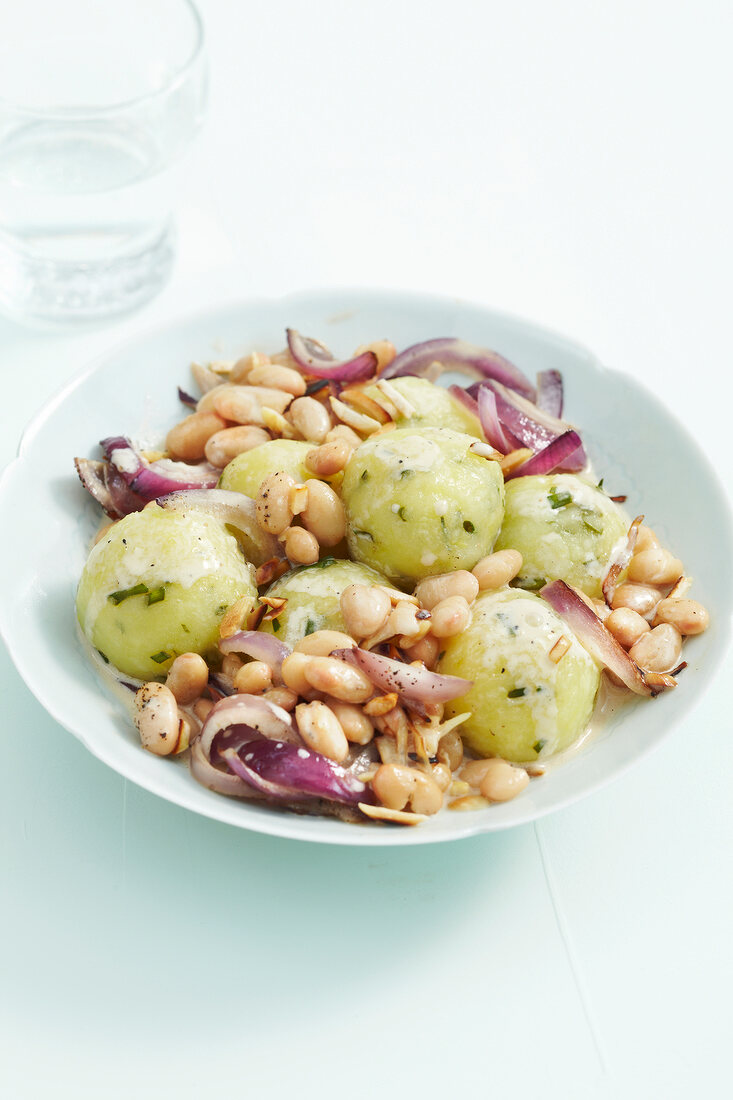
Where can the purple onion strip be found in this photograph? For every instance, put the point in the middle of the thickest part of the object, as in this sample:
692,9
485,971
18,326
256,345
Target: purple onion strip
459,355
316,360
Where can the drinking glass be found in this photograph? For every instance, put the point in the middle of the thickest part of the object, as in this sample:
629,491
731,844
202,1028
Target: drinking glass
98,99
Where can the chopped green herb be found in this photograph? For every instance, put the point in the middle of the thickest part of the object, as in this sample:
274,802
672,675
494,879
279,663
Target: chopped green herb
221,609
125,593
559,498
539,745
600,485
159,658
155,595
402,513
365,475
310,626
529,584
276,625
314,387
442,524
364,535
406,473
516,693
468,526
325,562
506,622
185,629
592,520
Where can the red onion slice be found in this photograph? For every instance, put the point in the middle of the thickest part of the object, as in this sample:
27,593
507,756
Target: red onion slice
227,506
105,483
532,427
410,682
259,716
222,782
623,559
600,642
554,456
316,360
187,398
284,771
550,392
154,479
459,355
263,647
489,417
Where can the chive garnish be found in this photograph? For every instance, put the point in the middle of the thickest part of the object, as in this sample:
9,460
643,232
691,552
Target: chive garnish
365,475
529,584
125,593
160,657
593,521
539,745
155,595
276,625
406,473
402,513
310,626
468,526
559,498
516,693
314,387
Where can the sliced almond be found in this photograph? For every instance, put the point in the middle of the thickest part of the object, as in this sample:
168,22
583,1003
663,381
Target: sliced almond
469,802
298,499
235,616
382,704
354,419
365,404
393,394
485,450
515,458
560,648
276,422
274,605
399,817
270,570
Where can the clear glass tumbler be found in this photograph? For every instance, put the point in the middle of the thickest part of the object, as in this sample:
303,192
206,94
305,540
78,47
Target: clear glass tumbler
97,100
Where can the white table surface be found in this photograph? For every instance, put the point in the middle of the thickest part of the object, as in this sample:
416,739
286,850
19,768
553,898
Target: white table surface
568,162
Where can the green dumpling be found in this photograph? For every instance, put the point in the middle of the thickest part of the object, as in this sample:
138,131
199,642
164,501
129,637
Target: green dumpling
313,594
246,472
524,706
187,568
420,502
434,407
565,528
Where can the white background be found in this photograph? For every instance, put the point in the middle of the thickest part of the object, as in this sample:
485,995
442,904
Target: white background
568,162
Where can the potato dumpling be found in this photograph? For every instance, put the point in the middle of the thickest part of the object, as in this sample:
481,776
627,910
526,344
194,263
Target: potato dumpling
246,472
524,706
565,529
434,406
419,502
313,593
187,570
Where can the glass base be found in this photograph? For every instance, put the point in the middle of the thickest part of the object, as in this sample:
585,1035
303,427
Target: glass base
38,286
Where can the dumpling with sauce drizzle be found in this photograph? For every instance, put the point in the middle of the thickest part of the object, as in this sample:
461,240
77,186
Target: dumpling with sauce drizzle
565,528
420,502
534,685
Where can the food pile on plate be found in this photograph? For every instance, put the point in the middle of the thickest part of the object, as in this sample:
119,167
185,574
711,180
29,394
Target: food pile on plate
344,589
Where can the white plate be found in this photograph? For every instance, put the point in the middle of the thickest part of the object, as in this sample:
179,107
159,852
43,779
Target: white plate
634,443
